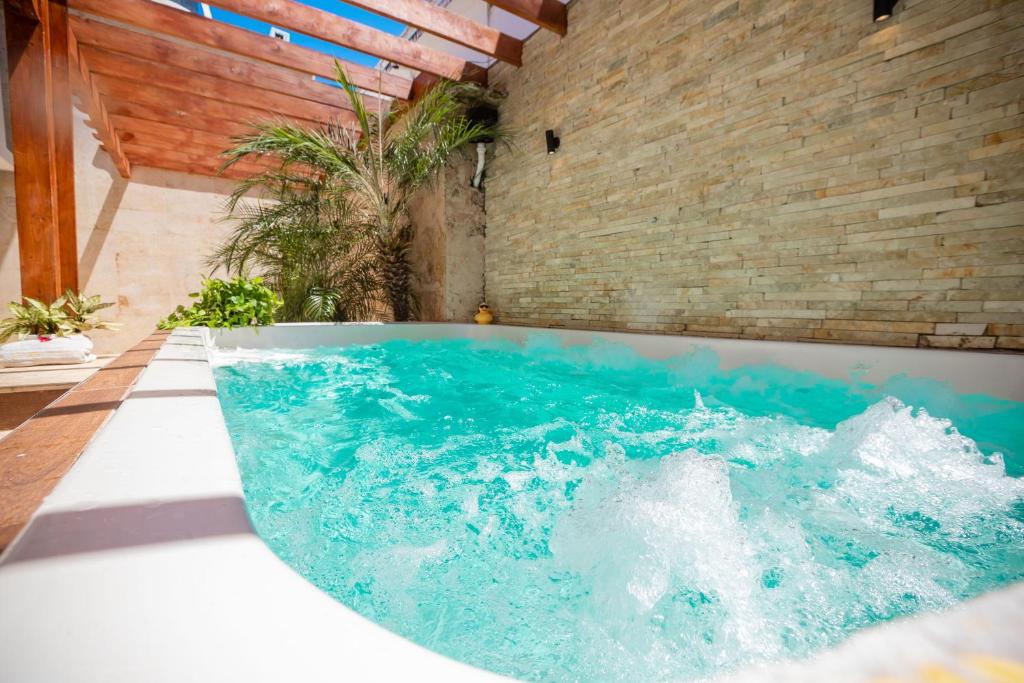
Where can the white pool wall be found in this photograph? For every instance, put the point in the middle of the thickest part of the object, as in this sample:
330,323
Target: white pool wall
142,566
999,374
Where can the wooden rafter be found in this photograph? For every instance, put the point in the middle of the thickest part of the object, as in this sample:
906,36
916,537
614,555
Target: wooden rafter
123,90
207,160
134,130
196,147
171,89
90,99
28,9
173,162
446,24
192,58
150,16
549,14
333,28
119,66
155,149
166,114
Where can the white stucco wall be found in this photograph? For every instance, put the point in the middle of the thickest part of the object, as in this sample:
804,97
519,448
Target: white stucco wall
142,243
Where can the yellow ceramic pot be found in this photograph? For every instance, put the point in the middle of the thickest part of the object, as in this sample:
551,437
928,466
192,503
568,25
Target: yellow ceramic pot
483,315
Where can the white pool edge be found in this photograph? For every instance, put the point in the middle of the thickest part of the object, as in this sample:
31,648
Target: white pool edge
997,373
142,565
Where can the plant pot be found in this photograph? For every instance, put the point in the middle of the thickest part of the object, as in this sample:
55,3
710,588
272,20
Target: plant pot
46,350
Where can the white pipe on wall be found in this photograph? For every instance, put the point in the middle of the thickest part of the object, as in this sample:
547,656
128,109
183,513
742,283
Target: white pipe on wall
481,156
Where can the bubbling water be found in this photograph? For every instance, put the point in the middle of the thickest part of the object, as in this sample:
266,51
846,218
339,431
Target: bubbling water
587,515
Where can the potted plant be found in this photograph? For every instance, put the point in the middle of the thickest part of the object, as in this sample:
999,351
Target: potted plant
51,334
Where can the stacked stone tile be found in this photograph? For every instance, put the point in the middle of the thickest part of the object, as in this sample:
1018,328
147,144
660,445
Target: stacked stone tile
767,169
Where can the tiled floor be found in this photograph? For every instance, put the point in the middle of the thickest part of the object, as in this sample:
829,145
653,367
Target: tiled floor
38,453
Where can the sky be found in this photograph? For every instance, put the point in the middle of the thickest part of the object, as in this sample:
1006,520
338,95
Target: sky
335,7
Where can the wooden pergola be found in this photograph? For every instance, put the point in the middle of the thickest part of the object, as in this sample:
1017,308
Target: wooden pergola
168,89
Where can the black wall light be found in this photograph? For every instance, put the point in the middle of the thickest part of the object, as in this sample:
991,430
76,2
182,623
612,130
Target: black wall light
883,9
553,142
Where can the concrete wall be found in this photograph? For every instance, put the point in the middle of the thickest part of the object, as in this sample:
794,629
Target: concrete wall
767,169
448,246
142,243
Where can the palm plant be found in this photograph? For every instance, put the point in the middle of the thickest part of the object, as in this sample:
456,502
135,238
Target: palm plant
304,246
346,192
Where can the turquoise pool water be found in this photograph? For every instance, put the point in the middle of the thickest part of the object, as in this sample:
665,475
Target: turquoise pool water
587,515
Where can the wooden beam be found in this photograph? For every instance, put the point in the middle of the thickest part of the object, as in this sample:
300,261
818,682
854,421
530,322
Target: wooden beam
119,66
92,104
197,163
422,83
188,56
63,142
549,14
28,9
150,16
155,96
446,24
193,146
212,171
333,28
135,130
156,150
41,144
180,118
156,137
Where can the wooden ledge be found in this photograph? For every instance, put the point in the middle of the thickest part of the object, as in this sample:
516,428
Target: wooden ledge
35,456
46,377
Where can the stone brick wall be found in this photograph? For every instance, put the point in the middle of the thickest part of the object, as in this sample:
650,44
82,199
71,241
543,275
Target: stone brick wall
769,169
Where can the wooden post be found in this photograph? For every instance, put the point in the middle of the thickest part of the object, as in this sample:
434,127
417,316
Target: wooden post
42,146
64,144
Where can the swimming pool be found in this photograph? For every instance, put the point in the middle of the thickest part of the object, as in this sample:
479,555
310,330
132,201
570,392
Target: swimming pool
625,508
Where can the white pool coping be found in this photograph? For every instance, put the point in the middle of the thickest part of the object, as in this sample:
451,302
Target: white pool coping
997,373
142,565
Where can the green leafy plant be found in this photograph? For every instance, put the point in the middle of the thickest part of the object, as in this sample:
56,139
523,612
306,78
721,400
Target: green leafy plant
335,241
36,318
239,302
82,310
69,314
